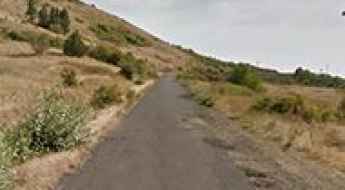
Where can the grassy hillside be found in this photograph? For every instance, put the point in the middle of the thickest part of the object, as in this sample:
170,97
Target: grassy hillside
292,111
62,80
103,70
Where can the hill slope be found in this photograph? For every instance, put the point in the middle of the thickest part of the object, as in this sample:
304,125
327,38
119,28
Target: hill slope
33,74
91,21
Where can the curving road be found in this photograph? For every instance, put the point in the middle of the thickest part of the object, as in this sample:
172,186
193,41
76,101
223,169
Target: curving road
151,150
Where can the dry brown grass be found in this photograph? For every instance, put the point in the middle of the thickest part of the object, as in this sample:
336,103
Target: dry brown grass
23,79
322,142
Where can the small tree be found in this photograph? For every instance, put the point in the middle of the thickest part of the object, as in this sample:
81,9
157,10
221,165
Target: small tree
74,45
65,20
44,16
32,11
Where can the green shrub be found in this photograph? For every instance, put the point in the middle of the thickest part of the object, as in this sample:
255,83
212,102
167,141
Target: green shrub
69,77
111,33
106,54
54,19
282,105
263,104
54,126
295,105
106,33
202,97
32,11
6,181
134,39
309,78
244,75
136,69
35,38
104,96
74,45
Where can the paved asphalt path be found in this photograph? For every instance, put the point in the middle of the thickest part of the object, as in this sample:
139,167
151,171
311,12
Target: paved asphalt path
152,151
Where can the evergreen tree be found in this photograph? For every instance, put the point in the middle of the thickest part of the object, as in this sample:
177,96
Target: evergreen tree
55,22
54,16
32,11
74,45
44,16
65,20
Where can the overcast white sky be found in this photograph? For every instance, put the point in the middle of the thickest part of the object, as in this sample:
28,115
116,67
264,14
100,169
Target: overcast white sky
280,34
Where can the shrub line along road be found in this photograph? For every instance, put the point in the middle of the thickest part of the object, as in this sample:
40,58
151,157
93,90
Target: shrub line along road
151,150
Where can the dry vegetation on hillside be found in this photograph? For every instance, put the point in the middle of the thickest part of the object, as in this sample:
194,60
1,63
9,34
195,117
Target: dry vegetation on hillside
301,123
117,63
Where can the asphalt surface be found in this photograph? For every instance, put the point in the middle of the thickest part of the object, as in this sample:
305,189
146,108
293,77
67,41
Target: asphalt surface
152,151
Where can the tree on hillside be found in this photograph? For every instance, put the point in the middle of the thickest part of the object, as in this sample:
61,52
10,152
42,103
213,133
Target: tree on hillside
44,16
74,45
65,20
55,20
32,11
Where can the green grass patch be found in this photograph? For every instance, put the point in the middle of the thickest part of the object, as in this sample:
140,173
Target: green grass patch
35,38
111,33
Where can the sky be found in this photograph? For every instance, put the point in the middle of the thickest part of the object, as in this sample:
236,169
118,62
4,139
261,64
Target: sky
278,34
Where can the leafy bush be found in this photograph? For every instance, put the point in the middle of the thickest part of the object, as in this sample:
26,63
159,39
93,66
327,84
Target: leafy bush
69,77
6,181
243,75
74,45
104,96
204,100
202,97
106,54
53,127
263,104
136,69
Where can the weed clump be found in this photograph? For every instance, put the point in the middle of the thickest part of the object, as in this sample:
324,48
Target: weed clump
105,96
135,69
39,41
69,77
295,105
54,126
106,54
